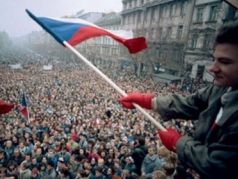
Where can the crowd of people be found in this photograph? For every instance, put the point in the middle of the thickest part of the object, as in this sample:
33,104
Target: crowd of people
77,129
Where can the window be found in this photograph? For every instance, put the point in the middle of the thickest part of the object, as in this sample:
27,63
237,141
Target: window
206,42
231,13
213,13
174,6
179,32
152,14
131,19
199,14
130,4
134,19
182,9
142,2
114,52
161,11
153,34
145,18
139,18
169,33
200,71
170,10
160,31
194,41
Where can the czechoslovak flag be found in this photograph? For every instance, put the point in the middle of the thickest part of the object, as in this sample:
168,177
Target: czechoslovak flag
23,107
5,107
75,31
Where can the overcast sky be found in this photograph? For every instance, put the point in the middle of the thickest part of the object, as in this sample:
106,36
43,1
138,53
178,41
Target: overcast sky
15,21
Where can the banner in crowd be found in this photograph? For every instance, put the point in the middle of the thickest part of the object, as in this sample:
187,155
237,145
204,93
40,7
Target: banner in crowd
47,67
75,31
15,66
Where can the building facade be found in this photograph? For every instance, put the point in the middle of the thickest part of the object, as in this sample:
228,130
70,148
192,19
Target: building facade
207,17
165,24
180,33
104,51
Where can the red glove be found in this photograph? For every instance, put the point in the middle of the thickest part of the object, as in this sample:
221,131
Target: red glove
144,100
169,138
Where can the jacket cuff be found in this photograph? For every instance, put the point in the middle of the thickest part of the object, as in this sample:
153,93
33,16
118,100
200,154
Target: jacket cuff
161,105
180,147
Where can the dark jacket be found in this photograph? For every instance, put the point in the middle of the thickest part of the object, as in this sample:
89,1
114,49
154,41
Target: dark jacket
138,155
213,153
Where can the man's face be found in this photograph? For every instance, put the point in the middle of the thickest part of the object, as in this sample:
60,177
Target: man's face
225,65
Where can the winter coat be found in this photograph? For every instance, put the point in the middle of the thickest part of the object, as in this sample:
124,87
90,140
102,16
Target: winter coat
212,152
138,155
150,164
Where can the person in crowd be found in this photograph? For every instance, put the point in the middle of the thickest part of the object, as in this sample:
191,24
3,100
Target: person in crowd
110,172
3,158
50,170
35,173
117,168
24,170
17,157
130,165
212,150
158,174
42,170
139,153
98,174
151,163
9,148
12,170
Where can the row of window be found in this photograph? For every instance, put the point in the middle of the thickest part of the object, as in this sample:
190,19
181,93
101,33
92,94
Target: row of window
175,9
202,41
135,3
167,33
162,33
212,12
154,13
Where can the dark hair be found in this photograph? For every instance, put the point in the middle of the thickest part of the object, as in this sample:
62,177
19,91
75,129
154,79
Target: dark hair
227,34
141,140
50,162
99,169
169,168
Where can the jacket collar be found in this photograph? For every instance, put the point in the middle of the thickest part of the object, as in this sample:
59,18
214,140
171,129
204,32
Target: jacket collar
229,102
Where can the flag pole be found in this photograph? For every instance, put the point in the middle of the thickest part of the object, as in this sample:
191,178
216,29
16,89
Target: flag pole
118,89
28,114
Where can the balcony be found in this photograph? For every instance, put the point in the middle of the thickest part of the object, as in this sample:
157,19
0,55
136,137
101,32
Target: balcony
132,10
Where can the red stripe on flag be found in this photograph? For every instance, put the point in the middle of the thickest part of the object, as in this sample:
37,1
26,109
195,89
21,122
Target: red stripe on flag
24,111
134,45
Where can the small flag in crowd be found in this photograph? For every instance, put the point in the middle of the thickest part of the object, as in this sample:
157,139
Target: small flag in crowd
5,107
75,31
23,107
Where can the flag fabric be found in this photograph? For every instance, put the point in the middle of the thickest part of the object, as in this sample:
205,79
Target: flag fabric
75,31
5,107
23,106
